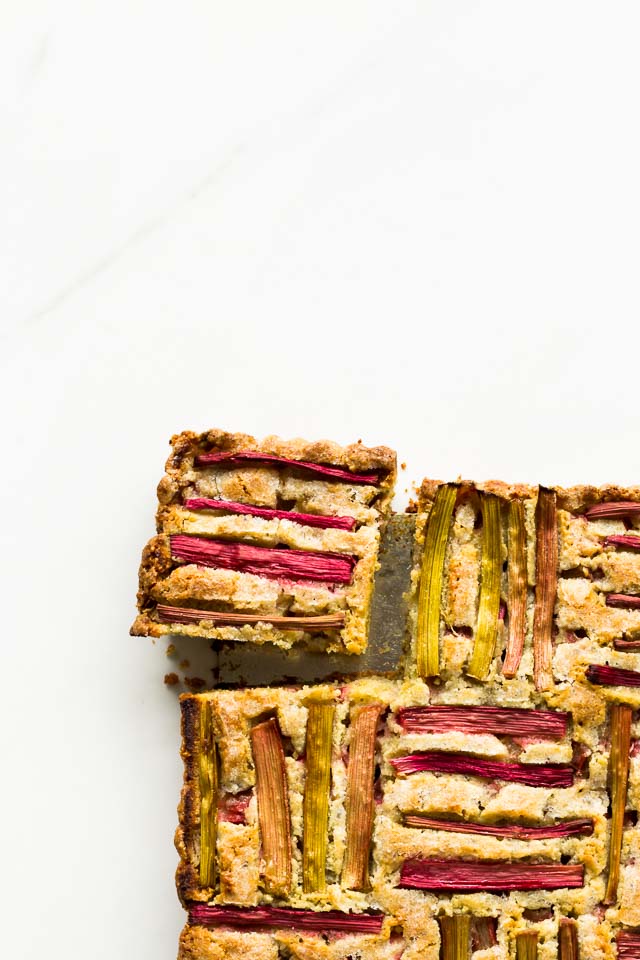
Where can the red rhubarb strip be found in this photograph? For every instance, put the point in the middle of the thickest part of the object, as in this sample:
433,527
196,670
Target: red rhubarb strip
505,721
623,540
264,561
463,876
622,644
605,676
616,510
533,774
484,933
331,621
247,509
253,456
628,945
568,828
232,807
211,916
623,600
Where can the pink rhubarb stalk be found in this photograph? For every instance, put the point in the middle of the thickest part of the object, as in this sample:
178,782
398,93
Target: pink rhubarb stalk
616,510
331,621
264,561
628,945
567,828
272,791
246,509
254,457
360,800
604,676
232,807
622,644
623,600
533,774
285,917
546,582
628,541
501,721
484,933
462,876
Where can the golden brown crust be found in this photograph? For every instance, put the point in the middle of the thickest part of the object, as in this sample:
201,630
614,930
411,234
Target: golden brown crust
187,839
580,498
199,943
186,446
507,491
354,456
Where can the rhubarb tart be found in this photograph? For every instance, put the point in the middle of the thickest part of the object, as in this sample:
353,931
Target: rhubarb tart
272,541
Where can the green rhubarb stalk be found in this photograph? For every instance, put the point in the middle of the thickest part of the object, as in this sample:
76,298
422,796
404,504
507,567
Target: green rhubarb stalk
208,782
527,945
454,933
316,795
431,580
489,605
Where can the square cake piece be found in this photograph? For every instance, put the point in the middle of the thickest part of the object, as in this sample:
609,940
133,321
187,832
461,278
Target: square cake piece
266,541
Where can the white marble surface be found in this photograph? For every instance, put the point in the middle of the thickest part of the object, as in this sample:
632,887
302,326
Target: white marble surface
416,223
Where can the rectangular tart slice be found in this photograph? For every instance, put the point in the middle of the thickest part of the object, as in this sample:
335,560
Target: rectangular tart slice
266,541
